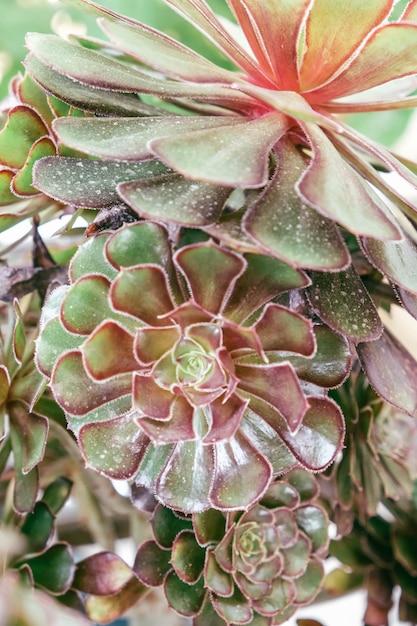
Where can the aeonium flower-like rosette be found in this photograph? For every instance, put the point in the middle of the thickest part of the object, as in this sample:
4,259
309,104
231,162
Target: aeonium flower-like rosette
176,369
254,567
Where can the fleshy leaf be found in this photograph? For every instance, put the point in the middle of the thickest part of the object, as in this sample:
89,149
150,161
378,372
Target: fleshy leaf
289,228
232,155
174,199
282,329
38,527
101,574
28,433
87,183
23,128
391,371
102,609
343,303
139,244
105,446
22,182
152,564
89,259
113,341
186,599
397,260
187,557
166,525
54,569
308,584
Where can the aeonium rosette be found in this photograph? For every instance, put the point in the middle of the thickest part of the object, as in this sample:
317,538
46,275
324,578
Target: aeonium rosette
179,369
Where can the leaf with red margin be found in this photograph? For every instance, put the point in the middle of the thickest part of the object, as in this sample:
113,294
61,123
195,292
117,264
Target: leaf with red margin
114,448
152,564
392,371
22,129
108,351
396,259
152,343
225,418
282,329
177,427
101,574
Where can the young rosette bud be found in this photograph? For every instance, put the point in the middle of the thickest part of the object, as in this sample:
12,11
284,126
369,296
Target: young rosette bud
179,370
255,567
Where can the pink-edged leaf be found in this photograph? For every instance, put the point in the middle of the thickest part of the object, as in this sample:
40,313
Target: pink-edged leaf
185,481
264,279
149,399
86,304
114,448
397,260
287,227
83,96
368,68
334,189
179,427
89,259
410,12
175,199
184,598
409,301
210,272
343,303
320,436
272,30
166,55
28,435
152,343
199,14
282,329
127,138
187,557
127,294
152,564
88,183
233,155
4,385
225,418
108,351
105,609
76,392
89,67
22,184
310,583
324,56
235,610
236,337
392,371
241,475
216,579
279,386
6,195
22,129
101,574
208,336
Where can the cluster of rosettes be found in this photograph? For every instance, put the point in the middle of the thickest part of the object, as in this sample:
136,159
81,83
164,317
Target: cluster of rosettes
255,567
181,371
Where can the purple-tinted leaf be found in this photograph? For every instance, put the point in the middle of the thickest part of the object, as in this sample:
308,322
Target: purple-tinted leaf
152,564
179,427
235,610
409,301
334,189
279,386
77,393
241,474
185,482
126,294
87,183
226,418
101,574
54,569
108,351
278,599
150,399
127,138
104,446
397,260
166,525
82,96
209,526
172,198
23,128
184,598
101,609
234,155
282,329
210,272
305,484
309,584
287,227
216,579
28,433
343,303
296,557
392,371
263,279
187,557
313,521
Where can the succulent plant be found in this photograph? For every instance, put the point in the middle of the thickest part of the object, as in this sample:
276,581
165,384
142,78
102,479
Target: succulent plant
182,367
251,567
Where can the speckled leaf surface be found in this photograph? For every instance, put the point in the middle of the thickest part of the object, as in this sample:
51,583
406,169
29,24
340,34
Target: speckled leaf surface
88,183
396,260
342,301
101,574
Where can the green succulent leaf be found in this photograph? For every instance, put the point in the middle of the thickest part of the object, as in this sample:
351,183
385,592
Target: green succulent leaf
28,434
53,569
308,584
166,525
22,184
187,557
38,527
186,599
56,494
101,609
24,127
152,564
88,183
